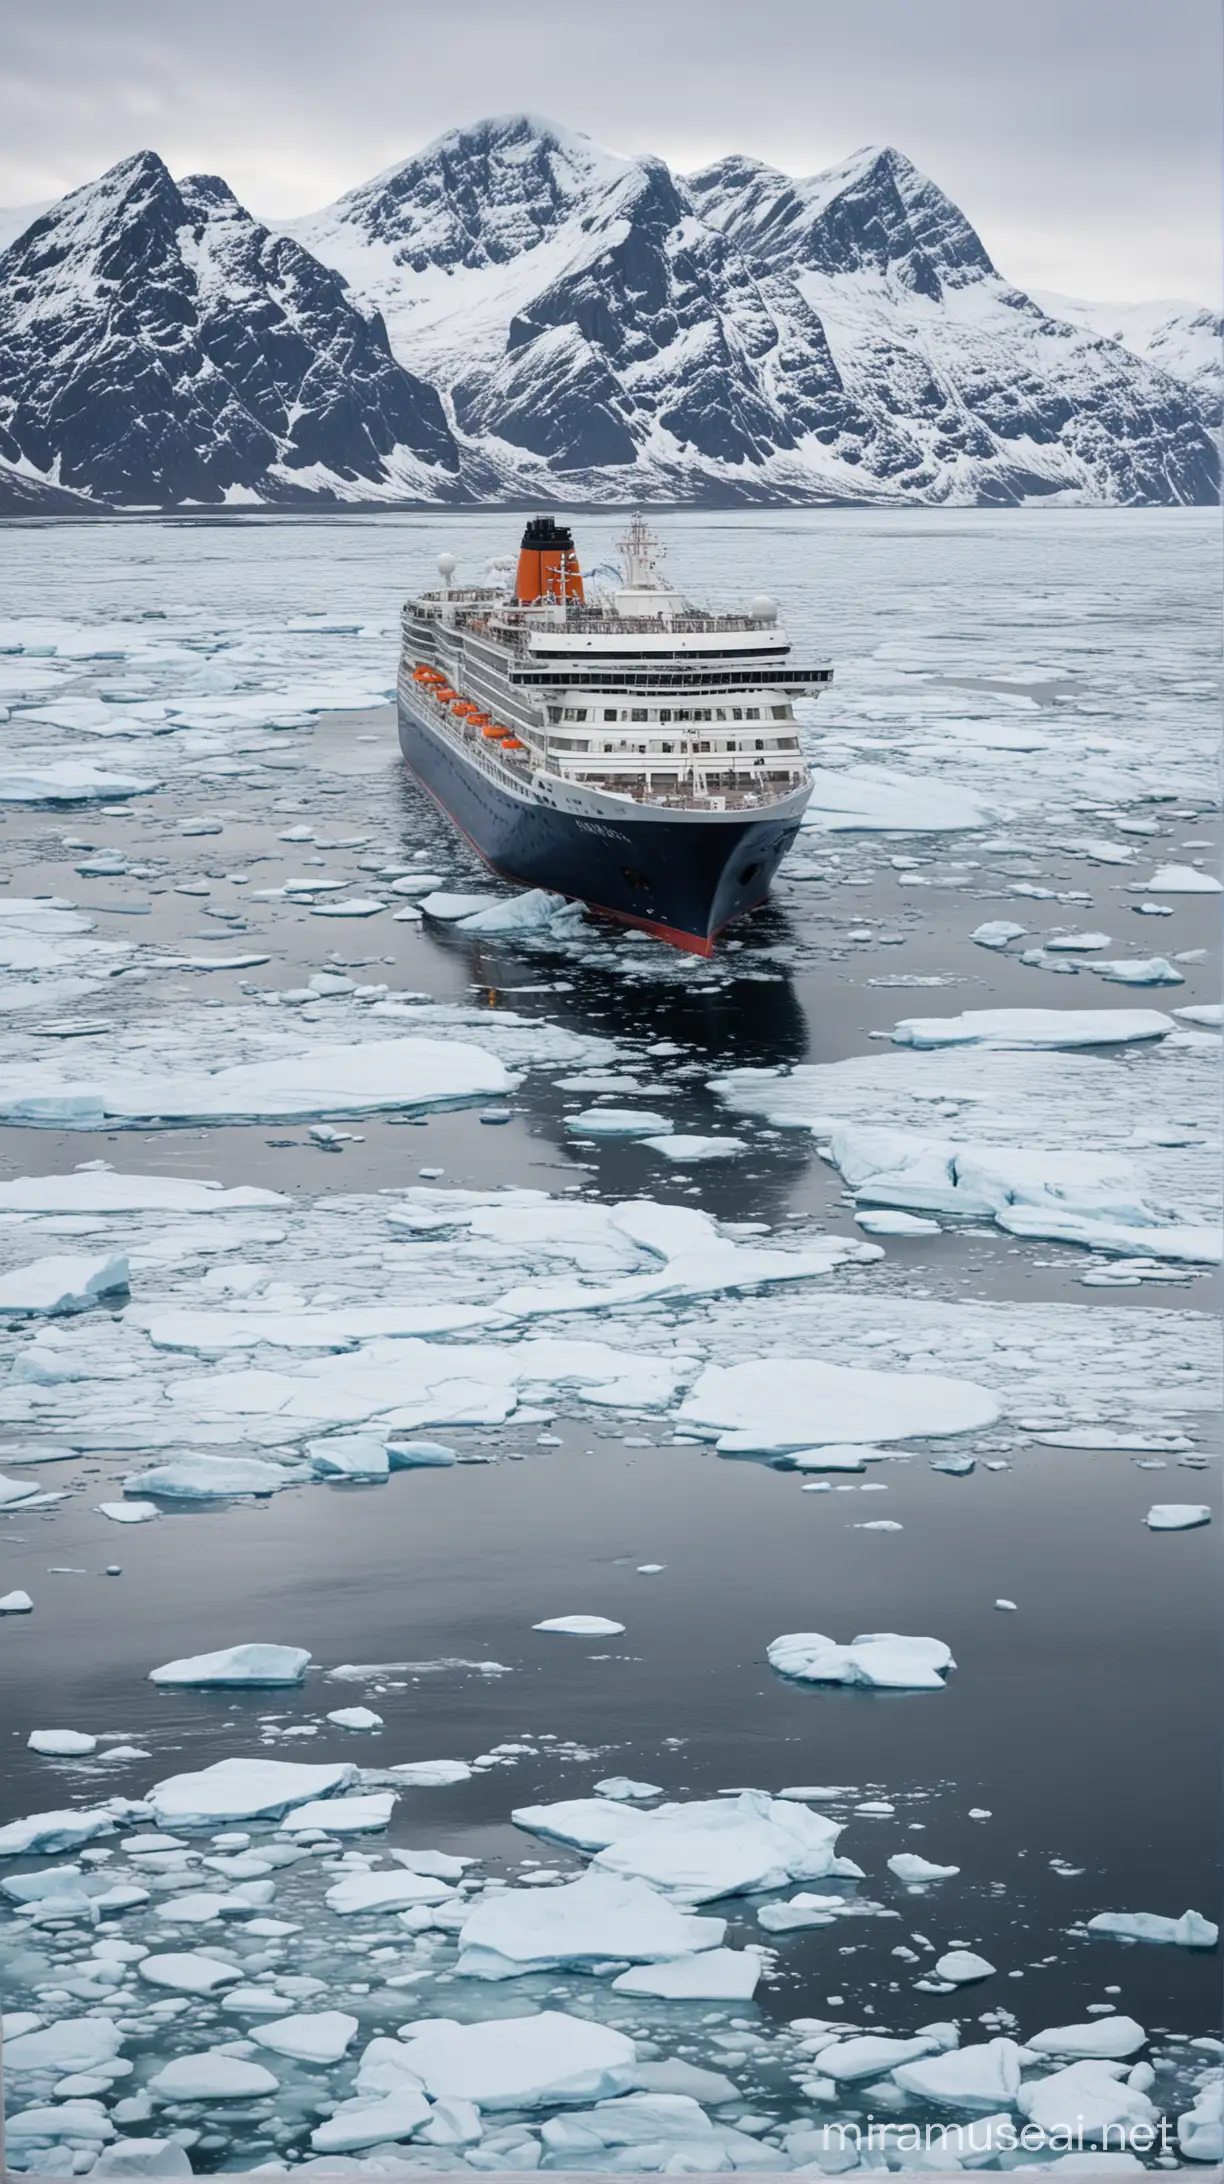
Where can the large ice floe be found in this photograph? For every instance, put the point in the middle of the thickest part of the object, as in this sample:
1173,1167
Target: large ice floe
786,1403
696,1852
879,1661
1044,1145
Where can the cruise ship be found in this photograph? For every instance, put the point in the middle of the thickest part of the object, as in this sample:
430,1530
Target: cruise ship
629,752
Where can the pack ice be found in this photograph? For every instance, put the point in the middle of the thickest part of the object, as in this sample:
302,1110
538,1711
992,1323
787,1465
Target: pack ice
597,1918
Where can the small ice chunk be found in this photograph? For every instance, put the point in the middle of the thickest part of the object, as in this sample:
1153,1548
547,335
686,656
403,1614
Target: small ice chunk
270,1667
908,1866
871,2055
582,1626
960,1967
1113,2037
714,1975
685,1150
1008,1606
360,2123
448,909
41,1834
319,2037
521,2062
16,1603
986,2075
129,1512
637,1122
883,1221
141,2157
1138,971
356,1717
1208,1013
622,1789
420,1455
431,1774
188,1972
344,1815
211,2076
350,1456
398,1891
61,1743
1177,1516
997,932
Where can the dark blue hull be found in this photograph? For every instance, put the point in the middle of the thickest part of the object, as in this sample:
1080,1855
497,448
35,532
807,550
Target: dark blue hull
682,878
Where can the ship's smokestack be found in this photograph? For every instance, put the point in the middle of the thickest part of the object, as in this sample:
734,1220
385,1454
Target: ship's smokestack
547,564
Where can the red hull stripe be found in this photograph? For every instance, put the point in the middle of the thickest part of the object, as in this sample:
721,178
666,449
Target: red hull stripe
691,943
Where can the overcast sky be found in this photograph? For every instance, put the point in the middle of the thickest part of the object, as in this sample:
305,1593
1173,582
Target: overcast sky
1081,137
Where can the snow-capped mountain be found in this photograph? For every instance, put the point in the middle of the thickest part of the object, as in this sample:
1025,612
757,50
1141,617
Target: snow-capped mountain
516,314
1184,339
158,346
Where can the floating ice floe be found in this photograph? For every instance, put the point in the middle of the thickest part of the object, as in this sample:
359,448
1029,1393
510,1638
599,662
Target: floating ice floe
1112,2037
1200,2130
211,2076
61,1285
632,1122
1208,1013
521,2062
241,1789
685,1150
1034,1028
188,1971
909,1867
349,1080
450,909
881,1221
357,2124
431,1774
582,1626
1177,1516
1084,2101
211,1478
623,1790
343,1815
72,2045
1190,1931
880,1661
717,1975
361,1892
997,932
776,1404
878,800
698,1851
1138,971
1179,879
61,1743
986,2075
68,781
40,1834
321,2036
862,2056
265,1666
963,1967
1079,1197
129,1512
356,1717
594,1920
533,911
98,1190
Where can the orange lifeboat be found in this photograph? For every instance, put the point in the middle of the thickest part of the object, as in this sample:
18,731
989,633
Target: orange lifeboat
547,564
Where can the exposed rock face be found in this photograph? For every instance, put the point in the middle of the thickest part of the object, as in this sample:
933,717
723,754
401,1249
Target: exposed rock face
157,345
516,313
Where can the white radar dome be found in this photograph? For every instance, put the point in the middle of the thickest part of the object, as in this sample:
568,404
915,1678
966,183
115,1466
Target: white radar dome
763,608
446,567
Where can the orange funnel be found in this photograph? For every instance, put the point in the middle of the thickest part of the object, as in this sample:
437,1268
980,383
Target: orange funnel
547,564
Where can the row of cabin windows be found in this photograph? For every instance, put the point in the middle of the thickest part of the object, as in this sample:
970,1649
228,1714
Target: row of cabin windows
644,713
655,750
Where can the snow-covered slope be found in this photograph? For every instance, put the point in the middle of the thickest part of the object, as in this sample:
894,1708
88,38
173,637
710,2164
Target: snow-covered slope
15,219
977,391
158,346
1184,339
516,313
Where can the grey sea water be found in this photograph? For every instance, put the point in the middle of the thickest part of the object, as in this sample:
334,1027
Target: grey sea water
1024,705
